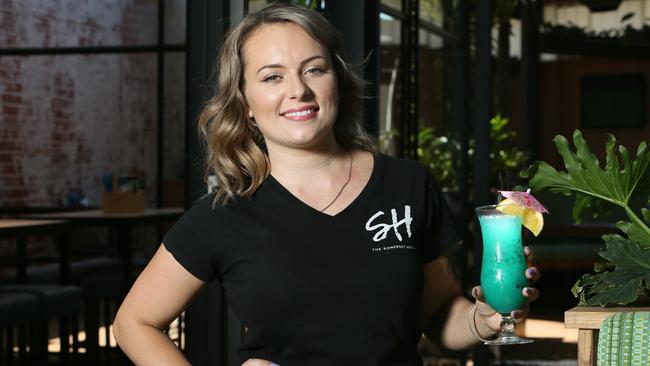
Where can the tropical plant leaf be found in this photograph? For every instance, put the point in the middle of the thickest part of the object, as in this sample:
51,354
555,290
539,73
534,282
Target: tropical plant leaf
622,284
635,233
641,192
627,187
584,175
622,182
616,287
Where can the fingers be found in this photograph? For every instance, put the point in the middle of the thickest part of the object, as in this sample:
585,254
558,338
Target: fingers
481,305
533,274
520,314
530,293
477,293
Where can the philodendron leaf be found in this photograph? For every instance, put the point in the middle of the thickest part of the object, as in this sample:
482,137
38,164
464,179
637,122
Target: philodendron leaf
627,187
635,233
624,182
584,174
581,204
641,173
622,285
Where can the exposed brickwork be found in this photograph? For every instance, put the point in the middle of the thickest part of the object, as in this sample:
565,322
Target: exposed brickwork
46,23
75,118
65,120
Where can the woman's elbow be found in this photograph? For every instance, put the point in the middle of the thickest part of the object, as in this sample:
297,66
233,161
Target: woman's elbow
125,324
118,326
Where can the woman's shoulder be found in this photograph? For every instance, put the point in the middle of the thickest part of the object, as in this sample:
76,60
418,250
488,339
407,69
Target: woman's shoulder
204,203
208,206
208,203
208,214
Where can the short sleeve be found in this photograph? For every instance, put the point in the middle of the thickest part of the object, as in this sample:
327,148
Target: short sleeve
192,240
442,229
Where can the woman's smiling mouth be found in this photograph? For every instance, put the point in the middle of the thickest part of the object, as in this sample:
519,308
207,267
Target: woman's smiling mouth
301,114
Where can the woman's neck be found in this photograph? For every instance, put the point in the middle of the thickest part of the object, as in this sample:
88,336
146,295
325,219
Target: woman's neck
297,164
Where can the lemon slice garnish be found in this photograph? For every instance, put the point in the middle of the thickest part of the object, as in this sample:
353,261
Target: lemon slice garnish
531,219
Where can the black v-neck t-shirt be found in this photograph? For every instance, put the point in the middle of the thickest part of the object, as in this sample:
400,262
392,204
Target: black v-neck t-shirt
315,289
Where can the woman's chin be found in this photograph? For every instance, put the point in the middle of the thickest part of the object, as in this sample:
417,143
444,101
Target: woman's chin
309,140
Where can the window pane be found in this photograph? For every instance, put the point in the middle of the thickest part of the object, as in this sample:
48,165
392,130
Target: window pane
395,4
254,5
563,83
431,11
175,14
434,107
72,23
432,83
428,40
67,120
389,89
575,14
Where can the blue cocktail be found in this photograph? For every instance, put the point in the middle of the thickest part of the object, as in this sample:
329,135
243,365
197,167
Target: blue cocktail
502,272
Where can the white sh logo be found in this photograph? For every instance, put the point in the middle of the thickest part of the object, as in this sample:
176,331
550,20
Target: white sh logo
384,228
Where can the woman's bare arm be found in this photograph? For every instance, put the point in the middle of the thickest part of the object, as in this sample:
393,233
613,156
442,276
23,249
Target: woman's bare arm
159,294
444,310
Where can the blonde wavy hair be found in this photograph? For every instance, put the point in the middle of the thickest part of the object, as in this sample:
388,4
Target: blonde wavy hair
236,151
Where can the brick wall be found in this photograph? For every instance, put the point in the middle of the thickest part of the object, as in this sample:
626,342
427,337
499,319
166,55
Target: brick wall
64,23
67,119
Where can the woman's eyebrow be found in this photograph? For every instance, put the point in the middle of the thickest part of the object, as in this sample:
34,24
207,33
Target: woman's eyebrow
277,66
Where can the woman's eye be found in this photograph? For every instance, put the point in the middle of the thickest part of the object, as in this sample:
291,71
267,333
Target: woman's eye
315,70
271,78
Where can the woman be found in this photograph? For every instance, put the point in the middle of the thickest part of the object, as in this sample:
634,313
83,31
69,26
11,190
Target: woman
329,253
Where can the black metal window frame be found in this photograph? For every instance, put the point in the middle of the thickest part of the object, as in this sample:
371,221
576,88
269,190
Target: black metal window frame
160,49
411,24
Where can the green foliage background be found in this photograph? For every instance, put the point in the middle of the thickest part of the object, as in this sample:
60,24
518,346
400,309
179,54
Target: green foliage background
625,182
439,152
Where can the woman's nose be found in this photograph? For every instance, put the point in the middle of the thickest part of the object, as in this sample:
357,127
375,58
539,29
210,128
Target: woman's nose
298,89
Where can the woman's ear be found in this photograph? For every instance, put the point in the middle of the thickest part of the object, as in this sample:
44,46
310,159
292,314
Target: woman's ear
248,109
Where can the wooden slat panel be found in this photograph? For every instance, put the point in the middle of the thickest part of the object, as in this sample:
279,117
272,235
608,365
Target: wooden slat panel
588,317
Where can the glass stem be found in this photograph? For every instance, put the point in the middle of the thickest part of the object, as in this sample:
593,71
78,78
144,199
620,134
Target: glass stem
507,326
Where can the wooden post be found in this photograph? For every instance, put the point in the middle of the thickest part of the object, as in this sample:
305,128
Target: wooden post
587,346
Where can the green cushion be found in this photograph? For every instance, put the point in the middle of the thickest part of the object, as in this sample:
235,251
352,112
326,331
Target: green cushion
624,339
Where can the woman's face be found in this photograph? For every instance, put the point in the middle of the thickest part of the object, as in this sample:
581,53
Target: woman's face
290,86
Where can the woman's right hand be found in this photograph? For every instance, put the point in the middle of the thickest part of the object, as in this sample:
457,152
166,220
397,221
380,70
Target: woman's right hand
258,362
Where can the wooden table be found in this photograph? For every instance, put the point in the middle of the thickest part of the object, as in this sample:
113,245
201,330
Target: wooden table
21,229
122,223
587,320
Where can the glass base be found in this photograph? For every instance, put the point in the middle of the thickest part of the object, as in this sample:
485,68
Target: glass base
503,341
507,335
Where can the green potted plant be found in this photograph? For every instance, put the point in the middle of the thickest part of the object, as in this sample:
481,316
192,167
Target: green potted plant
438,152
624,272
